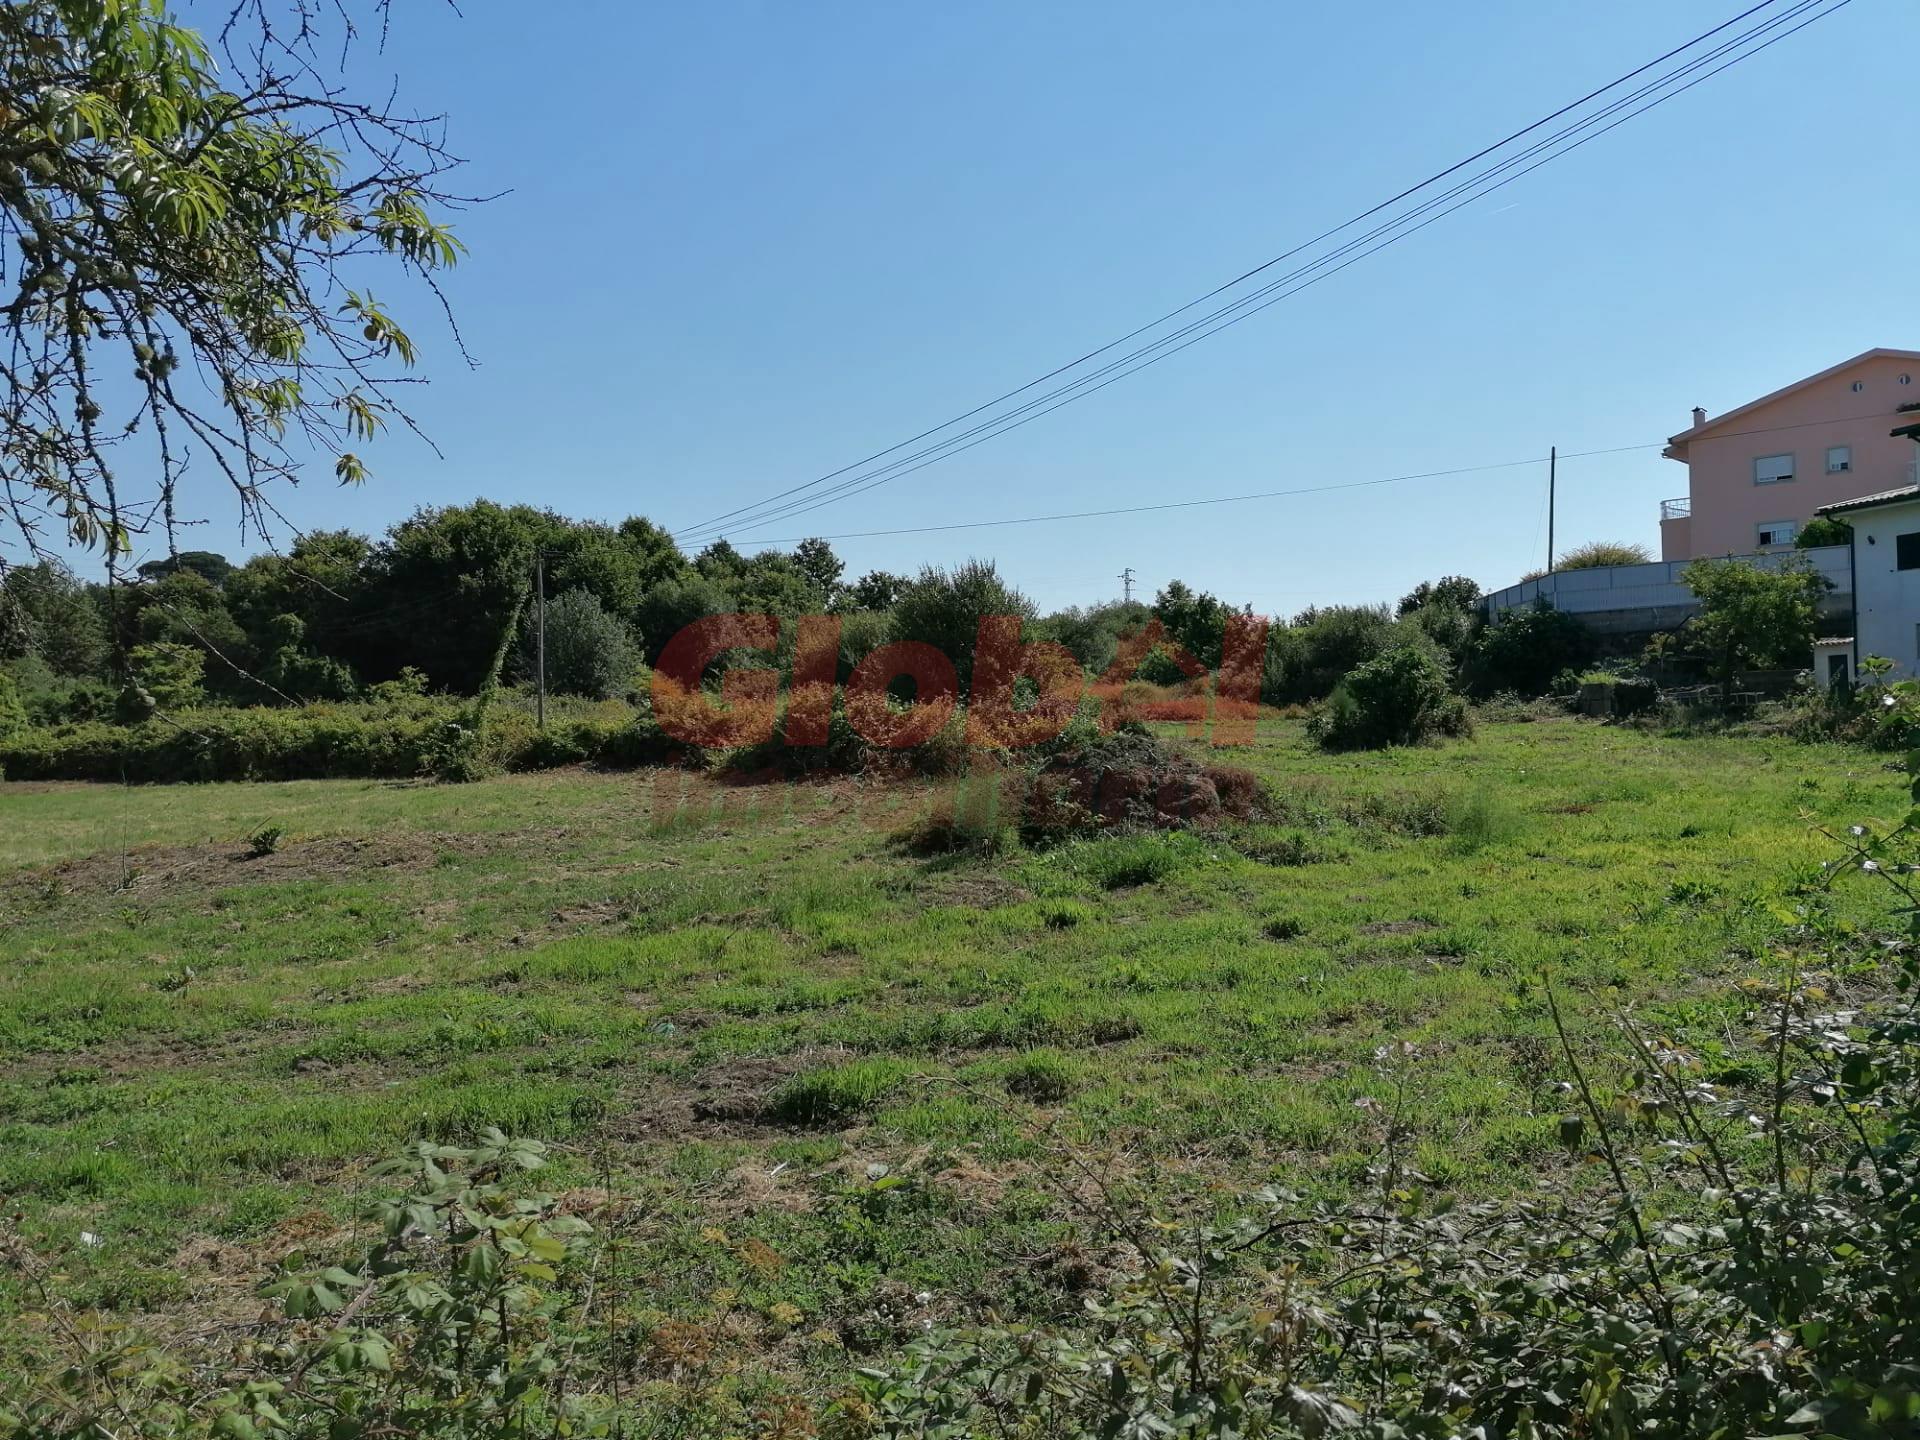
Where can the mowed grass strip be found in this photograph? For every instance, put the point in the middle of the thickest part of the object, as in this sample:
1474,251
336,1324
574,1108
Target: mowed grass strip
739,999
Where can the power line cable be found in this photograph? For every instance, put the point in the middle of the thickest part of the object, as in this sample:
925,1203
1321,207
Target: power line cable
1258,269
767,510
1174,504
1006,422
1247,314
1277,494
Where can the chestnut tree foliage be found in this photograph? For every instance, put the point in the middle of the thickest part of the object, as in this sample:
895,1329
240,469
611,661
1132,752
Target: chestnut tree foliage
191,220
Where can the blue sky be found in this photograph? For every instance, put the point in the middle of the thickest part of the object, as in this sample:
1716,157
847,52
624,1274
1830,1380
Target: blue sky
746,244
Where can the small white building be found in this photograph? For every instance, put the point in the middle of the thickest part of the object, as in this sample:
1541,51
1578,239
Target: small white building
1886,576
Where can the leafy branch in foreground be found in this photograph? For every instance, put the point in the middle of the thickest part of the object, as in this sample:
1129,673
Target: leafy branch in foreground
181,247
461,1319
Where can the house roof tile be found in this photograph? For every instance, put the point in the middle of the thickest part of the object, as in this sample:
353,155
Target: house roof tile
1868,502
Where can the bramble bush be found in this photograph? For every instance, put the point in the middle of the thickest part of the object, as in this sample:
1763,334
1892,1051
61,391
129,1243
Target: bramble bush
1523,650
1400,698
1305,660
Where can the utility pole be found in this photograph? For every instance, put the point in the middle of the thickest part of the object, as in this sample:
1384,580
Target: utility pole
1126,583
1553,475
540,636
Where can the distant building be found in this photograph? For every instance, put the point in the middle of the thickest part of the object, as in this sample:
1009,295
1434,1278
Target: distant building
1886,577
1756,474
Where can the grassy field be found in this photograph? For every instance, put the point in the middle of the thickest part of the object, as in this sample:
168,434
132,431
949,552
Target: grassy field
740,1005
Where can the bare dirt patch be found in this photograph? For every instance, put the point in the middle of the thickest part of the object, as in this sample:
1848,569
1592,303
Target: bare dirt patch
725,1099
1397,927
978,888
150,868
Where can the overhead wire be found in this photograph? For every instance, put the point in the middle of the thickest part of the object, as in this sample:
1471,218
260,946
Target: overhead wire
1264,266
1302,277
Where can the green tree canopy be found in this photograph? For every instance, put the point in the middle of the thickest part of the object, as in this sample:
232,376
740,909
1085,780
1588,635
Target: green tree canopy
1823,530
1194,620
589,652
445,583
45,611
944,609
815,559
1306,659
211,567
1455,590
324,581
1093,633
1751,618
188,611
191,222
654,550
875,590
1524,650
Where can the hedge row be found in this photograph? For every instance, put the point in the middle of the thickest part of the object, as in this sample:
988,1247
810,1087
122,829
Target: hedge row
325,741
425,736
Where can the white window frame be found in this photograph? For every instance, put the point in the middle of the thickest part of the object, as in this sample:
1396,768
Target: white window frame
1793,469
1766,527
1845,462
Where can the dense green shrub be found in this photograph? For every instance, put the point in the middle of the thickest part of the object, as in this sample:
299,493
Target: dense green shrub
1195,621
588,652
393,739
13,710
1452,631
861,633
1523,650
78,700
298,672
1305,660
1634,695
1401,698
1601,554
1093,634
173,676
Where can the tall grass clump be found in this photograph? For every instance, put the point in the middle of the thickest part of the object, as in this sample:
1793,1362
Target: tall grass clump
1479,818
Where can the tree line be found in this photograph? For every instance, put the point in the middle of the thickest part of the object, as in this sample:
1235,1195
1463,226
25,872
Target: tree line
432,599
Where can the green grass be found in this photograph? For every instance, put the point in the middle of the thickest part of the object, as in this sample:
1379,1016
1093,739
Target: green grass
740,1003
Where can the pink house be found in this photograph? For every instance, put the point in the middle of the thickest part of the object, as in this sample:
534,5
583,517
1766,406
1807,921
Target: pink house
1756,474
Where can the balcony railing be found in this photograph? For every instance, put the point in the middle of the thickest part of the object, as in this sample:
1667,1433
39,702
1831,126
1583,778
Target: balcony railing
1678,509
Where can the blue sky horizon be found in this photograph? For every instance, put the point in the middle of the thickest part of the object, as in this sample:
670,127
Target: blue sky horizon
742,245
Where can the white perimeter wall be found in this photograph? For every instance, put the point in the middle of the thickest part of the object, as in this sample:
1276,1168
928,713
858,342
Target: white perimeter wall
1652,597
